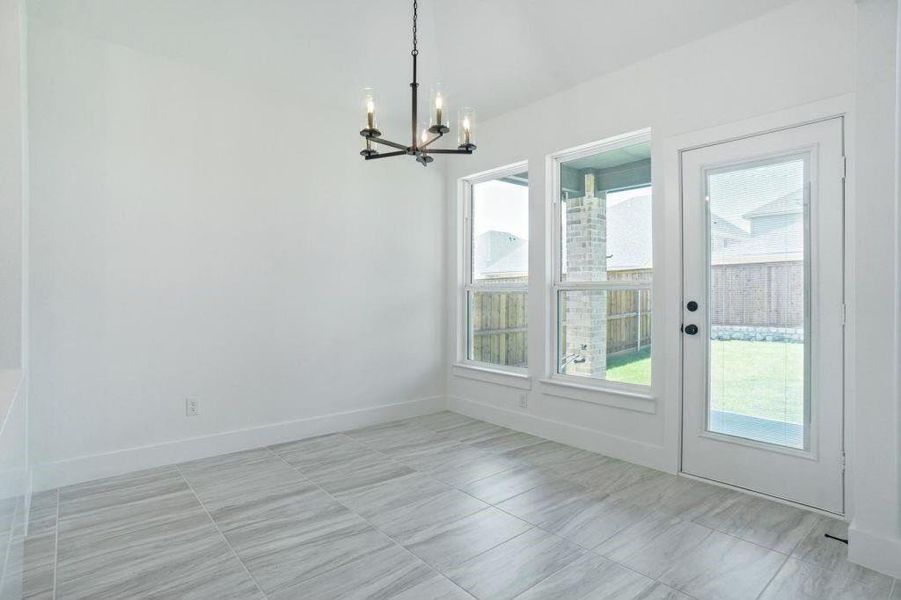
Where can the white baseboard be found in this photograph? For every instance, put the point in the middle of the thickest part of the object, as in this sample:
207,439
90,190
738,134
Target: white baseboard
641,453
86,468
875,552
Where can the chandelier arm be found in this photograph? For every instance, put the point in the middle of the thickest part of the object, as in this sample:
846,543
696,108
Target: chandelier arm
428,143
384,142
386,155
447,151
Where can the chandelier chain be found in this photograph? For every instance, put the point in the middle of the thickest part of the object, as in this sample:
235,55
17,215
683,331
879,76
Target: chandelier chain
415,14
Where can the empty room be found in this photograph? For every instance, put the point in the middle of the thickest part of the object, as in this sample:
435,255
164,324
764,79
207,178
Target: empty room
450,300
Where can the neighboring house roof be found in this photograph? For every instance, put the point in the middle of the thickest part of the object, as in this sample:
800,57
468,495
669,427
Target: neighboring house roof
791,203
783,243
629,234
501,254
723,228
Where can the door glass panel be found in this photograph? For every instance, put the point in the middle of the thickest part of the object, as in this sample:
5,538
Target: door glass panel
757,222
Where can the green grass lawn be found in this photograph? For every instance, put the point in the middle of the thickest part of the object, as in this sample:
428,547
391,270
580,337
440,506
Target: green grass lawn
760,379
630,368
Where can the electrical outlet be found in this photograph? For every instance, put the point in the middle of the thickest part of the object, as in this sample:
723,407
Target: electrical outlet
192,407
524,401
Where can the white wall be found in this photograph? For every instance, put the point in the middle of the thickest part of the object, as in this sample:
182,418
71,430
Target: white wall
194,235
14,474
875,532
794,55
12,182
804,53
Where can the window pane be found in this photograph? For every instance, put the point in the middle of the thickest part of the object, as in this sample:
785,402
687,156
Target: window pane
605,237
497,328
757,301
500,230
605,334
606,216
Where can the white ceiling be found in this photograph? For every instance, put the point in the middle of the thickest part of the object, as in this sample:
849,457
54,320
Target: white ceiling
495,55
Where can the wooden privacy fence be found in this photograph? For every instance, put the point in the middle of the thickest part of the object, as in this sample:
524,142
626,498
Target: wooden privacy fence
758,294
628,320
499,322
746,295
499,332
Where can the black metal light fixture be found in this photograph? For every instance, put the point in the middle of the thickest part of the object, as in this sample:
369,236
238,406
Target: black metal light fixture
439,124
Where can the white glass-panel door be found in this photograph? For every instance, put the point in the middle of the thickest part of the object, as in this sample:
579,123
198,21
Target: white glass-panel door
763,305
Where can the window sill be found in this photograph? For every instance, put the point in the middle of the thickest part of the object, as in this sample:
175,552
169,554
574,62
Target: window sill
519,380
600,394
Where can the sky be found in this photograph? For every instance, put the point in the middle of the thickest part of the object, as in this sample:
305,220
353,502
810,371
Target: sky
736,192
500,206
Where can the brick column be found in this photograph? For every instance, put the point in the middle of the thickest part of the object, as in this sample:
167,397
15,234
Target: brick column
586,260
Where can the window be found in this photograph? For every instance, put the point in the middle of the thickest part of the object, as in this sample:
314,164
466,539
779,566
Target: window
496,255
603,263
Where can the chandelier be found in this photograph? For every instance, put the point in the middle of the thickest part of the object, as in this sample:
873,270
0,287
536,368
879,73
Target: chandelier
439,124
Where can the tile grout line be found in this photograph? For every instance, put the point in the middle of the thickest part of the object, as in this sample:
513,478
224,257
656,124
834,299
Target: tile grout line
488,505
56,544
654,579
587,549
433,569
532,525
496,507
850,578
788,554
454,487
895,584
607,495
221,534
594,552
771,579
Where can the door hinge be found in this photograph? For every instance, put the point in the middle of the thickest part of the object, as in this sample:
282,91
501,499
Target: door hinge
844,167
842,461
844,314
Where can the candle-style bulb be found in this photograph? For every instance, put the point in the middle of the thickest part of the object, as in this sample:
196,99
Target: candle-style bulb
370,124
438,122
467,123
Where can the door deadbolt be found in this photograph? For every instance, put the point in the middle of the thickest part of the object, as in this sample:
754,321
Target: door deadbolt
692,306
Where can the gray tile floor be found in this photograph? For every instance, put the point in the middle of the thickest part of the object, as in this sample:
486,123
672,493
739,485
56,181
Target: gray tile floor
436,507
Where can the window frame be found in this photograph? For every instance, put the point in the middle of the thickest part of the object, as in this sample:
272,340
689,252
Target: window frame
469,286
557,284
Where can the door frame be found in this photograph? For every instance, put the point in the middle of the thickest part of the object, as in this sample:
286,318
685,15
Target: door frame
675,146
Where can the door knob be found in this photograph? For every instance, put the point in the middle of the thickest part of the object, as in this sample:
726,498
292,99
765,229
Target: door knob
691,329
